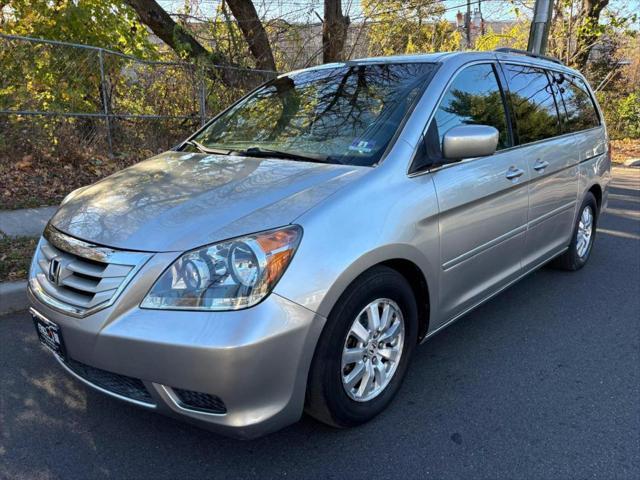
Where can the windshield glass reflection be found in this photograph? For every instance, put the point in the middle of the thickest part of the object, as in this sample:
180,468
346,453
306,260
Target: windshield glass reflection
343,114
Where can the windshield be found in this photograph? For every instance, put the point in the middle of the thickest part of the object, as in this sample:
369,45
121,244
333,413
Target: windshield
345,114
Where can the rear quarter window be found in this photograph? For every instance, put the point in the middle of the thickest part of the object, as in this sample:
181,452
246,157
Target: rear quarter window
577,109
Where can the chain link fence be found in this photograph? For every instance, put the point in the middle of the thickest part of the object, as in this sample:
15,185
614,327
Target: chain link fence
67,99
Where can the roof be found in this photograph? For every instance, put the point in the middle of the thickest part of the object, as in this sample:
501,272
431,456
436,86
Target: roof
466,55
417,57
461,57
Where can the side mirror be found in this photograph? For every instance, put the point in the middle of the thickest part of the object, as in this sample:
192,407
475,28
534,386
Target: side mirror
467,141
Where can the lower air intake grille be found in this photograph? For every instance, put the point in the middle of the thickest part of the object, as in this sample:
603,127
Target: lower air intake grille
122,385
200,401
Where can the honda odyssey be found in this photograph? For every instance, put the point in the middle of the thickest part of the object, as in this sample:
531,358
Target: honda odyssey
291,254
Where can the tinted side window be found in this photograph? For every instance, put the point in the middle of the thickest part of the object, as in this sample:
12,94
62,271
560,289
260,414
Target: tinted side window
473,98
577,109
532,102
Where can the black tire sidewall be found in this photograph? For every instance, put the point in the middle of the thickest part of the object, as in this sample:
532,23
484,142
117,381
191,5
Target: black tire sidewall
381,283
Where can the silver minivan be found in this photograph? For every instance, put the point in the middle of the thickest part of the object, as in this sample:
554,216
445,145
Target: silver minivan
291,254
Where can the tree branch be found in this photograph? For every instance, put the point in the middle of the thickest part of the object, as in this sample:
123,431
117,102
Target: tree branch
182,42
587,36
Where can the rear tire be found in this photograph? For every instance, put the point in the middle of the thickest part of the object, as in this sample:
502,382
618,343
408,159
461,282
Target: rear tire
584,233
331,396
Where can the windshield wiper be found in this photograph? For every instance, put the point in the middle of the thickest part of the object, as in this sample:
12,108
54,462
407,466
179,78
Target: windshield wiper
201,148
268,152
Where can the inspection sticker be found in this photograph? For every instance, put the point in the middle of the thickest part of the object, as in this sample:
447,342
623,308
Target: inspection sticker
362,146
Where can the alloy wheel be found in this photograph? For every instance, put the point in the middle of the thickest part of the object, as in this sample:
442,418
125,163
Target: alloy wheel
585,231
372,350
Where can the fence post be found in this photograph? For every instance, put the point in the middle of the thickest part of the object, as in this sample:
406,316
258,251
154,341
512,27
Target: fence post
105,103
202,97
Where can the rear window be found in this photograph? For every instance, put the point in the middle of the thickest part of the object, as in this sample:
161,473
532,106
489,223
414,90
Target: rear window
532,102
577,110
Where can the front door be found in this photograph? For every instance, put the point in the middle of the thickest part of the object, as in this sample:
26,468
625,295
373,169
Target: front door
483,201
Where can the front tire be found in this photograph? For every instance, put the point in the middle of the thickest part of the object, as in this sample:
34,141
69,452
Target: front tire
364,350
584,233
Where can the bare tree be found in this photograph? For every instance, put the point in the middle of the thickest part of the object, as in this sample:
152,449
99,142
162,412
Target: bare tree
334,31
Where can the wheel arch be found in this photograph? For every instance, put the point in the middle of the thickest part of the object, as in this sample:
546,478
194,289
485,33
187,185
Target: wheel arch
420,287
407,261
596,190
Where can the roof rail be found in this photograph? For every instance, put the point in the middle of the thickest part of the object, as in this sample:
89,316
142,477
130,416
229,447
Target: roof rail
528,54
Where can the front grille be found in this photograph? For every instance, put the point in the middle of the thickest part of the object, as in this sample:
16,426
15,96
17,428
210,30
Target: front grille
122,385
78,277
200,401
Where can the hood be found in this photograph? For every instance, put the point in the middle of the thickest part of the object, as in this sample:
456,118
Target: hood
178,201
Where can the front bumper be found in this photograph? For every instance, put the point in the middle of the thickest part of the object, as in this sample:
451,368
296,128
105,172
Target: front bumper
255,360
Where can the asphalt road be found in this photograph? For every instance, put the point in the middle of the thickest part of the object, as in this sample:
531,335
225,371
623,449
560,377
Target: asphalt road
541,382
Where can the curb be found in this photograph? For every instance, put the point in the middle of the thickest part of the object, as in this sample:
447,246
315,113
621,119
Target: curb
28,222
13,297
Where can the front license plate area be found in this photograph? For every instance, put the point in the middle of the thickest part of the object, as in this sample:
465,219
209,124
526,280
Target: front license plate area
49,334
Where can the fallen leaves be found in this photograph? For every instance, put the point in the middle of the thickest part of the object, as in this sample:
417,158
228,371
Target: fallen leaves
15,257
625,149
25,163
34,180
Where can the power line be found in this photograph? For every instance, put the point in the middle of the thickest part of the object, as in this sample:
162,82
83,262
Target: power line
310,8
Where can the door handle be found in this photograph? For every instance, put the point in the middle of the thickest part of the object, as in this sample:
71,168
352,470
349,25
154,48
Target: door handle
540,165
514,172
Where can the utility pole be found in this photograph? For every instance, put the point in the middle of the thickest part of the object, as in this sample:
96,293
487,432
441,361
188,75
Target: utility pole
467,24
539,33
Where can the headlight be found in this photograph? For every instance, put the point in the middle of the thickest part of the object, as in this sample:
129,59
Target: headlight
228,275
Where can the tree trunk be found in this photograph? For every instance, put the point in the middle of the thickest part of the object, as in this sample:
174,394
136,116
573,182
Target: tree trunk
589,18
184,44
254,33
334,31
160,22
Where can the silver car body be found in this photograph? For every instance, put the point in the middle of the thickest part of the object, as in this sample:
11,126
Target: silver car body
462,232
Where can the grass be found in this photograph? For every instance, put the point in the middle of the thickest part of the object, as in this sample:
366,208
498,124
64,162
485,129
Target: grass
15,257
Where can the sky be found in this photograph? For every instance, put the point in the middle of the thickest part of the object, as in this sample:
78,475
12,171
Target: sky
308,10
